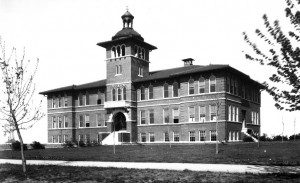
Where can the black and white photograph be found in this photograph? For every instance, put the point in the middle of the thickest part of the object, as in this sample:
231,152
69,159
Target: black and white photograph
150,91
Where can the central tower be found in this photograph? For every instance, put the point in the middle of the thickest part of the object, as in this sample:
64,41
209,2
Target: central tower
127,59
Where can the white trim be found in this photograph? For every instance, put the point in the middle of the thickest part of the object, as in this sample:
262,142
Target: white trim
129,82
115,58
76,111
181,123
190,136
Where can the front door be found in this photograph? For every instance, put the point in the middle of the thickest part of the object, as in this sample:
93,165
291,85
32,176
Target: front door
119,122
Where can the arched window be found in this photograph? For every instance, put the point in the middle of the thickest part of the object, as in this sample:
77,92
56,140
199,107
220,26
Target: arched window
120,69
119,94
166,90
113,94
113,52
142,53
135,51
118,51
201,85
117,69
150,92
124,93
142,93
191,87
175,89
123,50
212,84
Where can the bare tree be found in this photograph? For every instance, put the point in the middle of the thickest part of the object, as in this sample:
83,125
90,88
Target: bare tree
17,108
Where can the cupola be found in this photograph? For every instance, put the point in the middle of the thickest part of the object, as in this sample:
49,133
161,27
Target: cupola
188,61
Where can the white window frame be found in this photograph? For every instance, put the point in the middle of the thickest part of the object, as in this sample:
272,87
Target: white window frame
54,122
202,119
143,135
176,134
166,84
142,117
177,89
149,92
173,112
229,136
209,83
164,117
87,120
189,116
229,113
233,113
190,132
237,114
149,115
210,135
151,134
200,86
202,135
65,138
189,87
165,137
210,112
233,136
83,121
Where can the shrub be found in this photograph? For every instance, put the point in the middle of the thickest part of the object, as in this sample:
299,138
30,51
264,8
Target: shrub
37,145
68,143
264,138
279,138
81,144
297,137
247,139
16,146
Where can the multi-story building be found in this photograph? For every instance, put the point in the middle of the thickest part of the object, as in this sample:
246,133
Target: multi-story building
192,103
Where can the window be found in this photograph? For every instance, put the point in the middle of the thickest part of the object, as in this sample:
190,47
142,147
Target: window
65,99
229,136
80,98
124,93
53,139
175,89
54,125
191,114
151,137
233,113
192,136
167,139
166,90
87,99
117,70
202,135
105,119
176,137
151,116
60,122
87,120
142,93
229,113
201,85
123,50
176,115
213,115
257,118
202,114
228,84
143,117
53,102
237,136
243,91
66,123
113,52
191,87
87,139
119,94
166,115
140,72
237,114
143,137
236,87
113,94
212,84
233,135
59,138
213,135
99,119
99,98
81,121
59,102
80,138
65,138
150,92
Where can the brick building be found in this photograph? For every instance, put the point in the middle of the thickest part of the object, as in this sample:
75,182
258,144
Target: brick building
185,104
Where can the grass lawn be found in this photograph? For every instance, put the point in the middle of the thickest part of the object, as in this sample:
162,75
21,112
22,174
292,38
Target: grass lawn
13,173
269,153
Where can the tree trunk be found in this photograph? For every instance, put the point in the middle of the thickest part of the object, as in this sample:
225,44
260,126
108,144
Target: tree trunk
22,149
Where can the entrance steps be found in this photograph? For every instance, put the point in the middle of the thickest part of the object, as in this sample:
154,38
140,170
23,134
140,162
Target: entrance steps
117,138
248,132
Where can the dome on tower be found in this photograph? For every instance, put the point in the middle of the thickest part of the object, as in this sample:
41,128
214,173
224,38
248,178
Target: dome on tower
127,30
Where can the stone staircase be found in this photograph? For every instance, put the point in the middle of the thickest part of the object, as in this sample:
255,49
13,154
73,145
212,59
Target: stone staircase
248,132
117,138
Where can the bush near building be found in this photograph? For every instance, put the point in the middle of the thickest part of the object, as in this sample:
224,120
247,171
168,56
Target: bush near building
16,146
37,145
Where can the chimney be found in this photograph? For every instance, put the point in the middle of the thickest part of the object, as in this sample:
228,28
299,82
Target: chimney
188,61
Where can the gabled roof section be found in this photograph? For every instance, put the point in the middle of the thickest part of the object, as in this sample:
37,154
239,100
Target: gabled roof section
95,84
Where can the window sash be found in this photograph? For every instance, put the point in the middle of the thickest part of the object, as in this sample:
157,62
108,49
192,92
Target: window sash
150,92
191,87
213,135
151,116
166,90
166,115
176,137
191,113
192,136
202,135
201,86
143,117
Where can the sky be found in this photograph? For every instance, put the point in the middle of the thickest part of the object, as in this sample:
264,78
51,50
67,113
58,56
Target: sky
63,35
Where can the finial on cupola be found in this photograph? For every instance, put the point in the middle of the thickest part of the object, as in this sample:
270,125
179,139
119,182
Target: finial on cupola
127,19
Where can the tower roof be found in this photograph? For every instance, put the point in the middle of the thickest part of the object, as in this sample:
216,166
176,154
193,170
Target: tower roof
127,32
